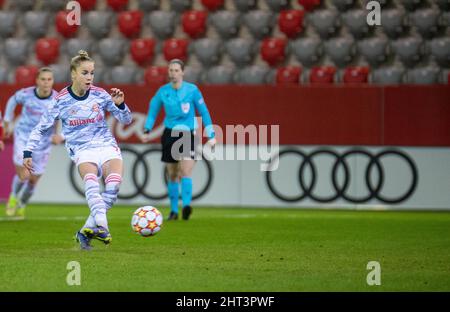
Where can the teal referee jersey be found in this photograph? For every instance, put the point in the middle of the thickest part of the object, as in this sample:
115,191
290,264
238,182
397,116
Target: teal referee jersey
180,106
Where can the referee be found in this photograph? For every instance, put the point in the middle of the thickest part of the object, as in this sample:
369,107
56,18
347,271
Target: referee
180,100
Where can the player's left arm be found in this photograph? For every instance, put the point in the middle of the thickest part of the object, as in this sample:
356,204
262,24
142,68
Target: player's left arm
201,107
116,105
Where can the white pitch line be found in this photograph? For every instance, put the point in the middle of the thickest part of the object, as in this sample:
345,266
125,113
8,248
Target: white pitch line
42,218
227,216
77,218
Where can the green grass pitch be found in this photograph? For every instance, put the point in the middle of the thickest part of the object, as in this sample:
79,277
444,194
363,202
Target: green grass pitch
230,249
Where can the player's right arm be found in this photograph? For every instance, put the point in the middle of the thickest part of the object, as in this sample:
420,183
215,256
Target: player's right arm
58,137
155,107
45,124
17,98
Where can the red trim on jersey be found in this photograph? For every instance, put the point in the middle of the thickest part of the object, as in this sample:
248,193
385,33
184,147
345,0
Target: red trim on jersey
61,93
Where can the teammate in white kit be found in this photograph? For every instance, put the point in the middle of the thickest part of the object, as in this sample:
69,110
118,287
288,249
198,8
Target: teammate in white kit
82,107
35,102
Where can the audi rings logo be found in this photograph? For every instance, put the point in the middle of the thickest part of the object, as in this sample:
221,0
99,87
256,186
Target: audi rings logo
374,171
141,175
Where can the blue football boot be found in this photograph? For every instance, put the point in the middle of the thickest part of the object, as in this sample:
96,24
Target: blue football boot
99,233
83,240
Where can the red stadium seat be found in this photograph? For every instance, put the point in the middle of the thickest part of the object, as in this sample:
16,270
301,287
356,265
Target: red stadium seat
62,27
213,5
194,23
26,75
117,5
47,50
87,5
309,5
322,74
288,75
290,22
175,48
130,23
273,50
142,51
155,75
356,74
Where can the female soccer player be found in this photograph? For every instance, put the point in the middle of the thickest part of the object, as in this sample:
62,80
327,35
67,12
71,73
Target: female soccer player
81,107
180,100
35,102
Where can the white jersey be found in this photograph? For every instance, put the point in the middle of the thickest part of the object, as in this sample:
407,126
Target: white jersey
83,120
33,107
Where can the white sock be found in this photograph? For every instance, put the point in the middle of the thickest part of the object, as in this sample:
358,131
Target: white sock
27,193
90,222
95,201
112,184
16,185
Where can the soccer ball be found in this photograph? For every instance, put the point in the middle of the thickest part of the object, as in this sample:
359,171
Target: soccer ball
147,221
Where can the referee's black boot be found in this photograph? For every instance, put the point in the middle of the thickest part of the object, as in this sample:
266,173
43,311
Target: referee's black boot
173,216
187,210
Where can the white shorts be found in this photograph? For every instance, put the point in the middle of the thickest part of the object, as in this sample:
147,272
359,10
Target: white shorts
97,155
40,158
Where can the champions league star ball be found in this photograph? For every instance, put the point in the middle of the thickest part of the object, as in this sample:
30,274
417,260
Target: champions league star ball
147,221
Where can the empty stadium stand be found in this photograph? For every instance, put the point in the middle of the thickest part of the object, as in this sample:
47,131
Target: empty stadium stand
231,41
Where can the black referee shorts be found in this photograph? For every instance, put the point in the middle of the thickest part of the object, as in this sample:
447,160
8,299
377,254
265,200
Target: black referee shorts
178,145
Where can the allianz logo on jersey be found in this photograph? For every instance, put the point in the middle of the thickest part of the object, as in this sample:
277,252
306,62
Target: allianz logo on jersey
79,122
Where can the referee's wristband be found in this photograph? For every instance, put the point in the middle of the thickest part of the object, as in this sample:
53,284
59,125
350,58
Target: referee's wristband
27,154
